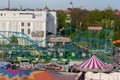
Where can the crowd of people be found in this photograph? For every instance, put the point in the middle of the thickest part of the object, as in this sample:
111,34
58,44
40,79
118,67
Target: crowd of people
24,66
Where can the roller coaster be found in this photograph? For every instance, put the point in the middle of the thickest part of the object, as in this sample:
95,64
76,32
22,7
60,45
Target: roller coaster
82,44
17,43
88,42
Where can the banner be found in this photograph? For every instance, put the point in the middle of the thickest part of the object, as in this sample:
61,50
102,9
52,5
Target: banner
95,28
59,39
116,41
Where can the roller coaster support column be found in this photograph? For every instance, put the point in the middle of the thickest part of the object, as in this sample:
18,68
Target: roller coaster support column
10,53
54,50
56,47
2,50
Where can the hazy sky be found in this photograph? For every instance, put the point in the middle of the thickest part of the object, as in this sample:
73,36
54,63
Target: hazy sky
61,4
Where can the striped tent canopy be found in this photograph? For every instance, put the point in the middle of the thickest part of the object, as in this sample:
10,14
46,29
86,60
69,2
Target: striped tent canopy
93,64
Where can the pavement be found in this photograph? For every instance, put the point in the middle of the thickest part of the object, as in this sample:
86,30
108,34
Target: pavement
64,75
9,74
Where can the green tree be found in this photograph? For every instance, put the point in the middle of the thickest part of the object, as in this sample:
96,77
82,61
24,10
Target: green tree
61,19
14,39
78,17
117,31
108,18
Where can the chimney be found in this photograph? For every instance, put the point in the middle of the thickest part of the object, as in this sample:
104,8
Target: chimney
8,4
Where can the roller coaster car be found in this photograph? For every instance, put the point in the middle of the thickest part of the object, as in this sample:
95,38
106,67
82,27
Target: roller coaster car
52,67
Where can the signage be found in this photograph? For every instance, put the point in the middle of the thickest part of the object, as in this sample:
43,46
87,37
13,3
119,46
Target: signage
95,28
59,39
116,41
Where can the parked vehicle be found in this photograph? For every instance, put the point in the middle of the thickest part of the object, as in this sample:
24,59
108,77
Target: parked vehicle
39,66
52,66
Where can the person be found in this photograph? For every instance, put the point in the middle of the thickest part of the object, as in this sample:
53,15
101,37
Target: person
13,66
17,65
78,76
82,77
70,68
8,66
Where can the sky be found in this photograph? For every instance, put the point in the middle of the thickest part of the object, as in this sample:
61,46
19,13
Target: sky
62,4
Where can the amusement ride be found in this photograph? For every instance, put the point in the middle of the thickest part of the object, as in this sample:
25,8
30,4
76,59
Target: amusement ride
70,44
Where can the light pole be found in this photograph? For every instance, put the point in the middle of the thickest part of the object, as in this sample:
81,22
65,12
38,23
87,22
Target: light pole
1,54
50,46
10,55
54,51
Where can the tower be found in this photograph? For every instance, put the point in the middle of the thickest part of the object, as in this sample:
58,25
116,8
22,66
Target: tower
71,5
46,8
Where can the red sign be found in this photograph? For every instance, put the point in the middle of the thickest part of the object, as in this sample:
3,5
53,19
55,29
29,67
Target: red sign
59,39
95,28
116,41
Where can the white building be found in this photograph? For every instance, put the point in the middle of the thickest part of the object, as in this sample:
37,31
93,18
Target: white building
35,24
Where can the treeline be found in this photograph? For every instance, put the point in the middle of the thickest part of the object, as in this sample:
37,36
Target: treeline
81,19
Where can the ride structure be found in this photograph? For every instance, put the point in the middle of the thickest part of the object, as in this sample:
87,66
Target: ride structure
95,40
16,44
71,43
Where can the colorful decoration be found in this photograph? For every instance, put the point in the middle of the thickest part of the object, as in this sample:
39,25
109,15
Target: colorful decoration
93,64
6,74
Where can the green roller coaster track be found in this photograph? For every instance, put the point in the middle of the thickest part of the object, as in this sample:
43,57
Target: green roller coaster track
25,49
88,42
92,41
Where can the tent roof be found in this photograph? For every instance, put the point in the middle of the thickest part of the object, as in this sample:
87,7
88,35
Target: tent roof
93,64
